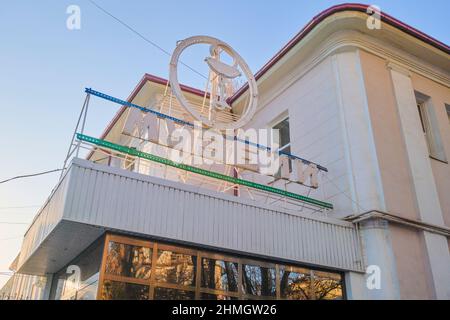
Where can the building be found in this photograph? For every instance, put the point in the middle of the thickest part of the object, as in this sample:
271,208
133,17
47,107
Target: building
372,106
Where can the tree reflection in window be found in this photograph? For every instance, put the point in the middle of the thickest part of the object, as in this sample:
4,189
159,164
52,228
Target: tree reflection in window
327,286
219,275
173,294
295,284
176,268
128,260
208,296
114,290
174,271
259,281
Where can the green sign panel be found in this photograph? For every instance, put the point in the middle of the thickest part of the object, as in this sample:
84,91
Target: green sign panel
203,172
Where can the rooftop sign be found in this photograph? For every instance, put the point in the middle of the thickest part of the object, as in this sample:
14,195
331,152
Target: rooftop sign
220,79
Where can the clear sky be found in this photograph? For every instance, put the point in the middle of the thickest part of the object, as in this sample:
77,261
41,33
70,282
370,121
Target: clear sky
44,68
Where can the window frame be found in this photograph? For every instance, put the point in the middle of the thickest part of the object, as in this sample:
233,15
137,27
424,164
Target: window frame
54,286
447,110
277,121
430,127
200,254
105,276
212,256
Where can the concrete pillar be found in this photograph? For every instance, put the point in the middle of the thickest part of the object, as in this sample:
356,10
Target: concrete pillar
378,252
423,180
363,172
355,286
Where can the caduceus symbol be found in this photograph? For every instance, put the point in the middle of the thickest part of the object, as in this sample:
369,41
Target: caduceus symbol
220,84
221,75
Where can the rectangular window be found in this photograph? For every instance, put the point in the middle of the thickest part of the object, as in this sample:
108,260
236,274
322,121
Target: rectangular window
447,108
284,133
173,294
219,275
176,268
295,283
284,140
89,263
326,286
430,127
114,290
136,269
259,281
128,261
208,296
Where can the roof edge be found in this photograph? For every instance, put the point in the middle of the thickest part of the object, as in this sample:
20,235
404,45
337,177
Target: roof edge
139,86
329,12
280,54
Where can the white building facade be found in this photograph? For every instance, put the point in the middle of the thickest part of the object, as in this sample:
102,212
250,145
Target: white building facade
371,106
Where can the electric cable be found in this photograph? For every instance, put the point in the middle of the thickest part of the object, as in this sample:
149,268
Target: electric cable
140,35
30,175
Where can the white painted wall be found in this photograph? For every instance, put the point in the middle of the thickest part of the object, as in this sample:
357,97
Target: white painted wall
330,124
315,127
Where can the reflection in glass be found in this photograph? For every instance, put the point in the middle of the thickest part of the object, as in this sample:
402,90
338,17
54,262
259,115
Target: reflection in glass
327,286
88,262
88,291
295,284
259,281
173,294
173,275
128,260
113,290
219,275
208,296
176,268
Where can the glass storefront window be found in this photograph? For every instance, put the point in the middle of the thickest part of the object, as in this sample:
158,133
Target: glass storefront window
295,283
208,296
327,286
82,286
259,281
136,269
88,291
173,294
114,290
176,268
219,275
128,260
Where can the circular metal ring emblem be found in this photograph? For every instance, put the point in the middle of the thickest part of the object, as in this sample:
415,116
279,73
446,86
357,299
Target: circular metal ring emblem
221,74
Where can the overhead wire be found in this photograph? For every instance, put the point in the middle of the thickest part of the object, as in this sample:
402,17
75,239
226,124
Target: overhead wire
30,175
21,207
140,35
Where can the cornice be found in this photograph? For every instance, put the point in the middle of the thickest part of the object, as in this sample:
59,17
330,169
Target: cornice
377,215
395,67
343,12
349,40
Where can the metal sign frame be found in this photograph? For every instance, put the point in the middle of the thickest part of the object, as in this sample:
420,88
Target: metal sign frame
248,110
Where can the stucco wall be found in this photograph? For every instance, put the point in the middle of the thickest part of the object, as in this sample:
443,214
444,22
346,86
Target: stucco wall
412,261
316,133
391,151
440,95
413,269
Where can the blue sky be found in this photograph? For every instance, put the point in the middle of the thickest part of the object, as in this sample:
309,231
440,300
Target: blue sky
45,68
